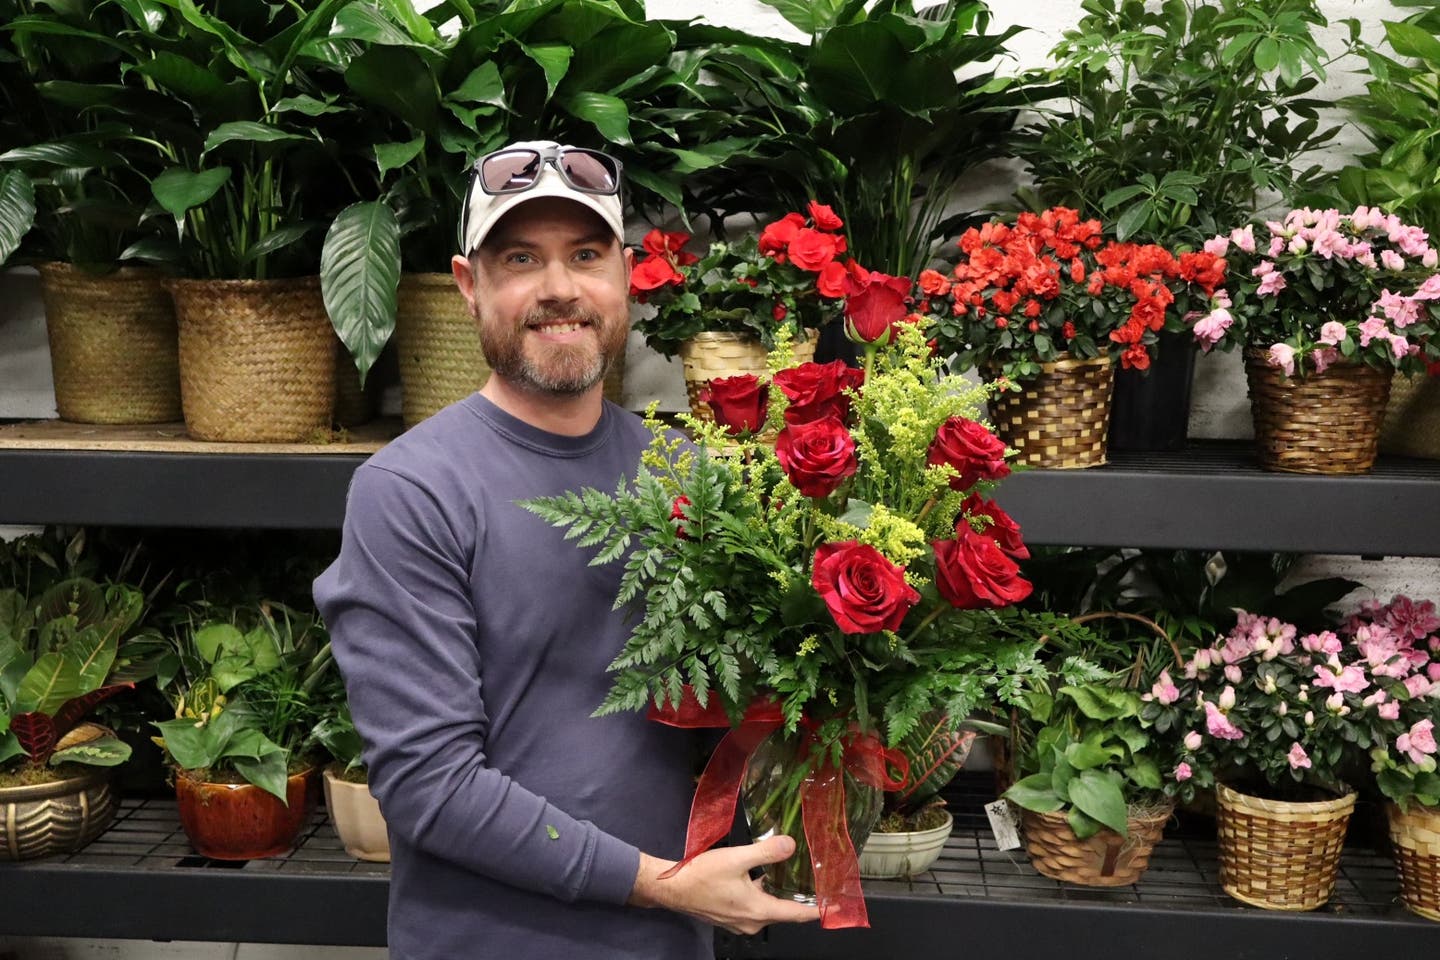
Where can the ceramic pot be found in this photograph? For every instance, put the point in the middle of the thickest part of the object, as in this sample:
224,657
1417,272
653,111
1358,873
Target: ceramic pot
239,821
903,854
356,816
58,817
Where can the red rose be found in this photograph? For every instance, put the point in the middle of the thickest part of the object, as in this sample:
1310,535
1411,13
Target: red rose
1002,527
973,573
816,390
875,304
865,592
816,457
811,250
971,449
832,280
677,513
824,217
777,235
738,403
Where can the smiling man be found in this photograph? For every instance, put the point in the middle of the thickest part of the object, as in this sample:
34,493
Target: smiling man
474,639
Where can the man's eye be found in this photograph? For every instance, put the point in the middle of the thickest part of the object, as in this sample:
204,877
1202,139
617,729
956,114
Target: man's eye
587,255
520,258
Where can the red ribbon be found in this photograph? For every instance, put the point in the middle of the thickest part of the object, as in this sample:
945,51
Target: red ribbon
833,861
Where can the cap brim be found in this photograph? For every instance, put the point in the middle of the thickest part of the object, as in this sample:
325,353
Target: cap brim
486,209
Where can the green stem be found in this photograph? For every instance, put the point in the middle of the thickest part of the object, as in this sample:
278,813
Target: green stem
929,619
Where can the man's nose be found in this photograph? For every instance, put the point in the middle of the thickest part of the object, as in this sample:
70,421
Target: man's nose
558,283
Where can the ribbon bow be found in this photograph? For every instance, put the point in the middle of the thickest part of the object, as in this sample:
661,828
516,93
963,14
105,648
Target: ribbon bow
833,861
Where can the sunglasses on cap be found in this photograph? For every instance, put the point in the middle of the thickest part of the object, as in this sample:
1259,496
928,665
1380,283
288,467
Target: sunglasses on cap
517,169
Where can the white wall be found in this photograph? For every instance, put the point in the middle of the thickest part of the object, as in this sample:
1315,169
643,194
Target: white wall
1220,408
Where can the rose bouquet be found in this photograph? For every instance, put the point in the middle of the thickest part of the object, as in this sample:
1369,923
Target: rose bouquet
1320,287
790,275
1050,286
818,597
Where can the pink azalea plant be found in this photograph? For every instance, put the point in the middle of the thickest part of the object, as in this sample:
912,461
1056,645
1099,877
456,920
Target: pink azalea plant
1319,287
1273,711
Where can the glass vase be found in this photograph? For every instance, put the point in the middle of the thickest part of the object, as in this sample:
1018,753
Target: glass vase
770,795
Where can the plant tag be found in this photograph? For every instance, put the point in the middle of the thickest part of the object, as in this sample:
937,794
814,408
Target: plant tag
1003,824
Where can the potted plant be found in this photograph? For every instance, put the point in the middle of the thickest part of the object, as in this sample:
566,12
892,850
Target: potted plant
74,188
721,311
66,644
353,809
242,689
1402,639
1169,125
1272,717
1049,305
821,597
1327,307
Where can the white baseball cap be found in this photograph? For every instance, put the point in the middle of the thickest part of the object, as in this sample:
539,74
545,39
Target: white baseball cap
563,172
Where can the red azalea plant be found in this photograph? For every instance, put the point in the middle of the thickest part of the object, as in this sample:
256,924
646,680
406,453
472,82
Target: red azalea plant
1050,285
791,275
828,591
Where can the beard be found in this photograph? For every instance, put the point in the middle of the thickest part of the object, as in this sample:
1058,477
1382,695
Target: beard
561,370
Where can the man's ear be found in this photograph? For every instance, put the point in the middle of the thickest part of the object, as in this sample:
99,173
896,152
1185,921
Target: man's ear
465,279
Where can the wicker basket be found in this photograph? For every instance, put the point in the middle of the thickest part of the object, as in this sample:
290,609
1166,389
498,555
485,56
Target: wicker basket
713,356
1327,423
1105,859
1412,418
441,361
257,358
1061,418
1277,854
1415,837
113,345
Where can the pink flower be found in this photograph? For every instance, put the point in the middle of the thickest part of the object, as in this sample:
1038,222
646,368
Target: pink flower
1430,289
1182,772
1324,642
1366,218
1217,246
1430,259
1399,346
1419,743
1263,269
1372,327
1378,697
1389,710
1277,246
1381,652
1410,240
1218,725
1323,358
1347,679
1330,243
1282,355
1433,672
1272,284
1332,332
1401,310
1193,740
1298,757
1233,674
1227,698
1210,329
1165,690
1392,261
1244,238
1410,620
1417,685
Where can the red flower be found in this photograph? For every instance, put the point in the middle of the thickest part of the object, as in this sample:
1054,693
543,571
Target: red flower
976,453
864,591
653,273
811,250
972,573
824,217
874,305
1002,527
833,280
671,246
1067,330
817,457
1136,356
816,390
738,403
776,236
677,513
933,283
778,311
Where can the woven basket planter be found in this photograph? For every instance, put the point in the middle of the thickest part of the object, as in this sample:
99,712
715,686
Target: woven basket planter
1060,419
1415,837
1327,423
713,356
441,361
1411,427
1277,854
1105,859
113,345
354,404
257,359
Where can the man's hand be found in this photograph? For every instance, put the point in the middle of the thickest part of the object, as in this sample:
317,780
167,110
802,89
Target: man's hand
716,887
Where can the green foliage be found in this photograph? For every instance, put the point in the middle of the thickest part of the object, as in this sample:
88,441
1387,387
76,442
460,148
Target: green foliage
1400,114
1172,119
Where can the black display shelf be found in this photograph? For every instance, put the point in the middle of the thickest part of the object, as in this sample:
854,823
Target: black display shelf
1211,496
141,881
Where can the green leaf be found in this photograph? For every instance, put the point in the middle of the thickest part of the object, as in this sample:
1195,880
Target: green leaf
211,639
247,131
277,239
807,16
262,763
609,114
398,80
1410,40
1101,702
182,77
44,689
17,211
178,190
482,85
1034,793
1132,220
307,105
359,276
101,752
1099,796
1116,197
191,747
1087,754
393,156
554,59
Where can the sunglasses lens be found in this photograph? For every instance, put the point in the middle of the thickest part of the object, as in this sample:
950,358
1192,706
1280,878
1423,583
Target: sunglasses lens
589,170
510,171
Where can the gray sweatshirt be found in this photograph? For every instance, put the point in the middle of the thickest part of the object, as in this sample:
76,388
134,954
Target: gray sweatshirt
473,640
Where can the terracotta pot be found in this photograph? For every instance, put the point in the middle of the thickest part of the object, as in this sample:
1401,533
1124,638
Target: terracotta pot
904,854
58,817
239,821
356,816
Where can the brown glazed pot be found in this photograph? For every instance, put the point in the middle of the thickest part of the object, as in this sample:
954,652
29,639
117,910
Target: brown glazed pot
239,821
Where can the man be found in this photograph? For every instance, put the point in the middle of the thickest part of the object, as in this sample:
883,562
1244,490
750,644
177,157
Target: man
474,639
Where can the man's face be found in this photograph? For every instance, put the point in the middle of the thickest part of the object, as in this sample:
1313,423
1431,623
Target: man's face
550,291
